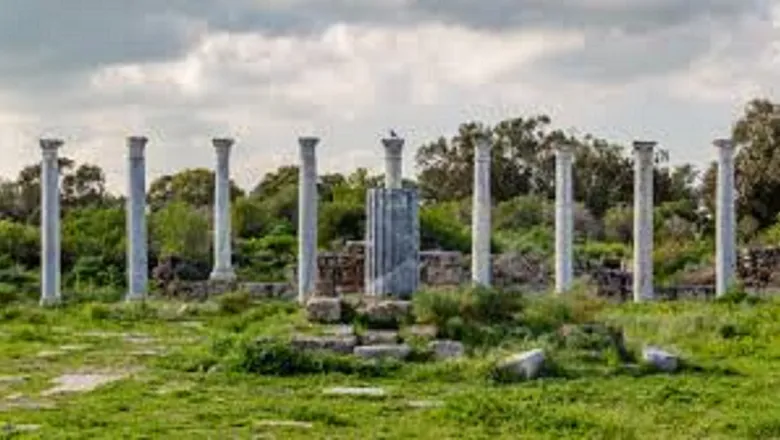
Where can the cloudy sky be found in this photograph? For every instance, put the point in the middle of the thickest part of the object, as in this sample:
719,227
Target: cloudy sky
268,71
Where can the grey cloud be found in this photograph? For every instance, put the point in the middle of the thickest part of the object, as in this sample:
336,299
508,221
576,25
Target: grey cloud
48,44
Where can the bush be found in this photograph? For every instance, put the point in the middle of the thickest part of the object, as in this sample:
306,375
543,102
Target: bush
233,303
440,229
279,358
476,316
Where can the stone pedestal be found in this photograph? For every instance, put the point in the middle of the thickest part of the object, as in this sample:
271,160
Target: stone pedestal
223,253
725,221
643,220
137,266
392,242
50,222
564,219
307,218
480,214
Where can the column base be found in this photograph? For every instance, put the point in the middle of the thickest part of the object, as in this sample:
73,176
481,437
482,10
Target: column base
227,274
53,301
130,297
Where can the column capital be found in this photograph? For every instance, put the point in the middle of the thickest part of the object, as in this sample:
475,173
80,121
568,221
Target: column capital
482,146
644,148
136,145
564,148
393,146
724,144
223,145
49,147
308,145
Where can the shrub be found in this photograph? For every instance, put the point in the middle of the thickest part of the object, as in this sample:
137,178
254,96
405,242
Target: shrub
476,316
279,358
233,303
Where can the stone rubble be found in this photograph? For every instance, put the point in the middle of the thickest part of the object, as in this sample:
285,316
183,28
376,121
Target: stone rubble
660,359
526,365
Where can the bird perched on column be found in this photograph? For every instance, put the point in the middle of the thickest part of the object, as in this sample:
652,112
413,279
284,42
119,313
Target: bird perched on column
393,133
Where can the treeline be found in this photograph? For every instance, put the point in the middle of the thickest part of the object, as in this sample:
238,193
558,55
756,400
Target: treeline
523,176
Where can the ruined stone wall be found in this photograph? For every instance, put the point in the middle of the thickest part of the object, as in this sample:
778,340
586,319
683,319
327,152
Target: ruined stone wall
343,272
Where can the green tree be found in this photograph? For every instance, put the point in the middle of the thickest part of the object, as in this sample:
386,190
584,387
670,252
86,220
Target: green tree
757,133
194,187
180,230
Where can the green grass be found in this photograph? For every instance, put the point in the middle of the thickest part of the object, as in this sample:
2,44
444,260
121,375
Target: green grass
197,388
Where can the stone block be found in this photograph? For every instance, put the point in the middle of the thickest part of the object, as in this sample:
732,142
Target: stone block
422,331
336,344
446,349
386,314
379,337
387,351
660,359
527,365
324,310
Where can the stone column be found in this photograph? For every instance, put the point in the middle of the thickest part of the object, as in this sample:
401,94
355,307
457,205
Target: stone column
307,218
392,264
643,220
480,214
137,266
725,222
223,265
564,219
50,222
393,162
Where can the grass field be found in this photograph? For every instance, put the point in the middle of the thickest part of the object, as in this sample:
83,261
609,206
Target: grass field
178,375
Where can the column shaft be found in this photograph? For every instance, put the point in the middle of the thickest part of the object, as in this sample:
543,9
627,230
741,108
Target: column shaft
564,220
307,218
643,221
480,215
223,253
137,254
50,222
725,227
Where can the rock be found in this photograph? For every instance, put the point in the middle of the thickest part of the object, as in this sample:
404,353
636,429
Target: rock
446,349
13,380
386,351
425,404
379,337
660,359
11,428
324,310
527,365
18,401
339,330
286,424
81,382
355,391
337,344
386,314
423,331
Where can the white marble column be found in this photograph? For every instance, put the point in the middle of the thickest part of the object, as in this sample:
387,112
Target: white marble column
50,222
480,214
307,218
564,219
137,266
223,264
393,162
643,220
725,222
